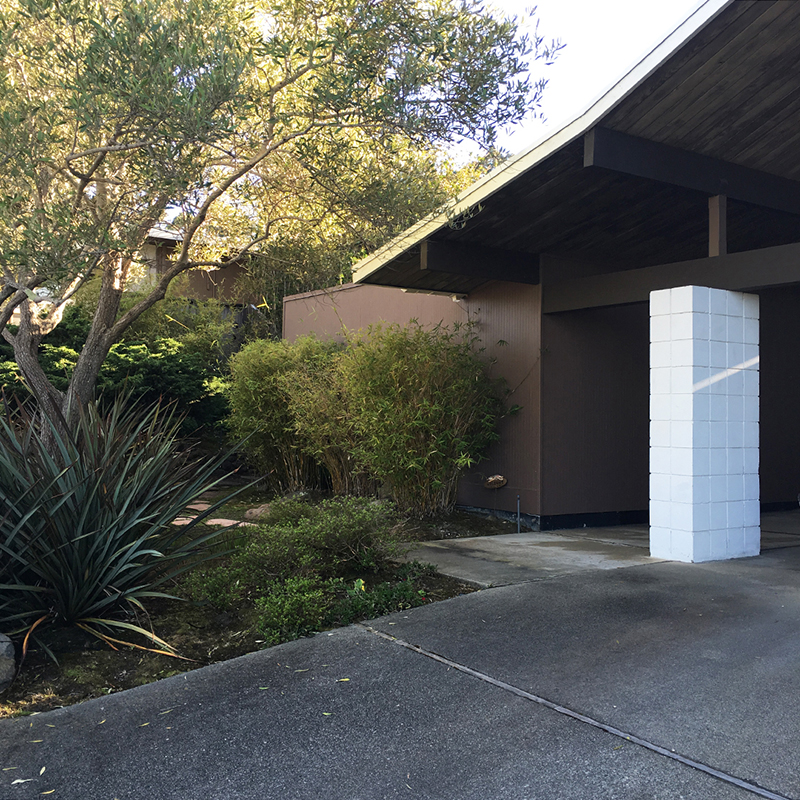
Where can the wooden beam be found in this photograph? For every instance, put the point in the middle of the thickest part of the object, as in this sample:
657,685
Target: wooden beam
717,225
746,271
659,162
478,261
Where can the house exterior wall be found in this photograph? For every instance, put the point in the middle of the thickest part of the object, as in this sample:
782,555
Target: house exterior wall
508,321
780,395
595,390
356,306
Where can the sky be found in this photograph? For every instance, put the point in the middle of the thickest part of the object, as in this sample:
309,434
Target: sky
603,38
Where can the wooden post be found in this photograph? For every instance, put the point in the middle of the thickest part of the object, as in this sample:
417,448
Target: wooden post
717,225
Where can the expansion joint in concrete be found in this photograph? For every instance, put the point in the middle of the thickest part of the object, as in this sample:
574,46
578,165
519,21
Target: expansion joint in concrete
568,712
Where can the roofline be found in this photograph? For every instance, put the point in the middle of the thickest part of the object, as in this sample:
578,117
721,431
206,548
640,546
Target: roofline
522,162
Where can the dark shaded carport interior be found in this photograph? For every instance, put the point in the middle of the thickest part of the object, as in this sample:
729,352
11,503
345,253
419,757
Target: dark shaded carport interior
720,117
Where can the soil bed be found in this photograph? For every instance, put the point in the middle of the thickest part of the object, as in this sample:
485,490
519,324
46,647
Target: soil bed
202,635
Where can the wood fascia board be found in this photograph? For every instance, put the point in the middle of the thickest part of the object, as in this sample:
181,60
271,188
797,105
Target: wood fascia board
507,172
477,261
642,158
752,269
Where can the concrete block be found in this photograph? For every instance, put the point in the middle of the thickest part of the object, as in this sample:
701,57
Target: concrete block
718,301
718,328
752,540
660,432
660,380
681,433
752,513
660,514
751,460
702,548
717,488
660,354
701,462
660,302
660,540
717,462
718,540
735,301
750,331
681,299
660,487
681,353
660,328
681,407
718,408
660,460
717,355
735,515
735,330
735,461
750,306
660,407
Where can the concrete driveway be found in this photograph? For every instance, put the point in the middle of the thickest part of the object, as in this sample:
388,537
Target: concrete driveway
655,680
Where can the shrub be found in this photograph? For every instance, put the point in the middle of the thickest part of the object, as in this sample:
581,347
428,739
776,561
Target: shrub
336,538
260,411
86,533
422,409
361,602
291,609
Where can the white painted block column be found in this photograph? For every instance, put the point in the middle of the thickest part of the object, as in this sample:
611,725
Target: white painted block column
704,487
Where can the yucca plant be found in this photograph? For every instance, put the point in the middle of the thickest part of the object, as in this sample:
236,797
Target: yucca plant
86,529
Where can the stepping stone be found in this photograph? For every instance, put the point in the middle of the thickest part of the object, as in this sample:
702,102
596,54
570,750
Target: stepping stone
182,520
199,506
226,522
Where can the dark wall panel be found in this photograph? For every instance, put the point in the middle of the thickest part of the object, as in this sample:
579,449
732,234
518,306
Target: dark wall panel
595,410
780,394
508,319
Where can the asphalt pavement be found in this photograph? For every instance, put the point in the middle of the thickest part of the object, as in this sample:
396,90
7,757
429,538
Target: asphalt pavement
642,680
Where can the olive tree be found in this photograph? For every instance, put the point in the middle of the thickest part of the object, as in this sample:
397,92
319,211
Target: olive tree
215,114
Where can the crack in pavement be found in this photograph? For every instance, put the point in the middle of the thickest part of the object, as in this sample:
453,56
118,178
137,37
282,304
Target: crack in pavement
628,737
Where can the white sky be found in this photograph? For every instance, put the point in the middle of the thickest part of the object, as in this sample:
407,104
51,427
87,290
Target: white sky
603,38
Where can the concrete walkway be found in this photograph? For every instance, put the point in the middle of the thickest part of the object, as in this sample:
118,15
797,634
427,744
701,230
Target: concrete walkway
656,680
516,558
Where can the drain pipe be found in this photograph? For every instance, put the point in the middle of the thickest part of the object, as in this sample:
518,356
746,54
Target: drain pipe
518,515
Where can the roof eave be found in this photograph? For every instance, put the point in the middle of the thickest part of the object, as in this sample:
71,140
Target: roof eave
540,150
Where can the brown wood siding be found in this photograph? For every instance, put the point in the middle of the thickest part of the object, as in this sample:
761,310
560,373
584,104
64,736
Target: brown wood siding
780,394
595,410
355,306
508,318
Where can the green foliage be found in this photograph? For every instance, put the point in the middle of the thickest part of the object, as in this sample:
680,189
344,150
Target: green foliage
422,409
297,568
407,409
362,602
259,407
301,539
293,608
258,121
86,533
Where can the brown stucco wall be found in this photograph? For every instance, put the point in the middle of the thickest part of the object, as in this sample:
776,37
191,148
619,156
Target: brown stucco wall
508,321
595,410
356,306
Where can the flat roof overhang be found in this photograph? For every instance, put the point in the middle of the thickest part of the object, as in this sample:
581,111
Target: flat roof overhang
712,111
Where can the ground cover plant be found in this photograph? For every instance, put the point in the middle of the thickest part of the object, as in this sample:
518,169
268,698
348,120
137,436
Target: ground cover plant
204,632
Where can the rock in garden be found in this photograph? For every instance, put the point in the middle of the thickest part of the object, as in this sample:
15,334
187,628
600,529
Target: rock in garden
257,512
7,662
